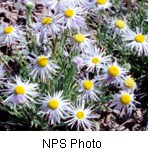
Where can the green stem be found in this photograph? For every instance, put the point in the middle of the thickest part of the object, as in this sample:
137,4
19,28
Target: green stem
27,23
99,26
64,35
54,42
34,45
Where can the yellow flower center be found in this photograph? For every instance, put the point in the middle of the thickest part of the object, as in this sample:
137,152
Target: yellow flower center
87,84
125,99
19,90
80,115
139,38
101,2
120,24
69,13
129,82
79,38
95,60
42,61
53,104
8,30
113,71
47,21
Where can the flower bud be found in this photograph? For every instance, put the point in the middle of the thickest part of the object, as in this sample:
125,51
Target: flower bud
127,66
30,5
20,99
77,60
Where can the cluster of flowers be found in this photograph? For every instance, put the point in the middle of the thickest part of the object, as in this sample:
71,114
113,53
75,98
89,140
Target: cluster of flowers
71,15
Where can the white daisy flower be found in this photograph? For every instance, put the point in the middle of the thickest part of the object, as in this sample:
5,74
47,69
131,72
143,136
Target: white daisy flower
48,26
94,59
2,72
124,100
101,4
114,74
137,41
19,92
118,26
83,3
55,4
11,34
128,84
81,117
88,90
80,1
73,16
81,41
42,67
56,107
